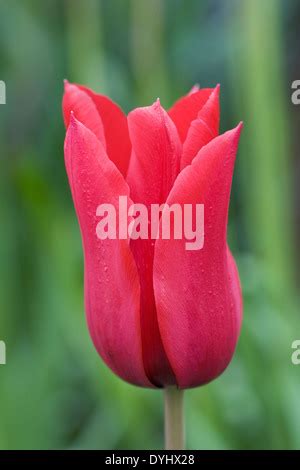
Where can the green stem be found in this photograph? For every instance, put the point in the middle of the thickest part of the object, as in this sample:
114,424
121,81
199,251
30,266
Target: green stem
174,419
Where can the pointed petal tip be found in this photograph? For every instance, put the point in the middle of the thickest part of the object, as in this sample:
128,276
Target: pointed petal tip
69,86
66,84
73,119
236,130
215,92
213,100
74,124
157,103
234,134
153,108
239,128
194,89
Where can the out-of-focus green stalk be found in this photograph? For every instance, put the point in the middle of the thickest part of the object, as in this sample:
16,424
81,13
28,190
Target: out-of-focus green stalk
147,50
262,94
85,55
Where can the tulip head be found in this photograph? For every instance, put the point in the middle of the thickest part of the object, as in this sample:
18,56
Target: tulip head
158,313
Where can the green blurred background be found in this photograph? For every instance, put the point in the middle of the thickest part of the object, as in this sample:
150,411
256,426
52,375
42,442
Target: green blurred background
54,390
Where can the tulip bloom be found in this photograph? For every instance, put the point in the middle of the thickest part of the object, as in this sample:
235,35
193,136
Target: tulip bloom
157,313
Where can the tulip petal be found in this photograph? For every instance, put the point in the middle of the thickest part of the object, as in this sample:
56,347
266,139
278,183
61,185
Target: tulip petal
156,154
112,291
197,292
186,109
78,102
152,171
236,288
203,129
115,125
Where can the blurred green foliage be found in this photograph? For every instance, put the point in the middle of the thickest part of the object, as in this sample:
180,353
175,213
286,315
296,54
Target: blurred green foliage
54,390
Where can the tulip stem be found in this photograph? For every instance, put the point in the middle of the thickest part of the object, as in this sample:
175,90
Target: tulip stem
174,419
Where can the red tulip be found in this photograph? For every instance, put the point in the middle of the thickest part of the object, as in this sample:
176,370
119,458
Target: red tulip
158,314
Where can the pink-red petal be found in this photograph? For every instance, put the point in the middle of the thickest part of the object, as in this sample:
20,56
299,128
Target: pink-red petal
153,168
76,101
186,109
203,129
197,293
156,154
115,125
112,290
